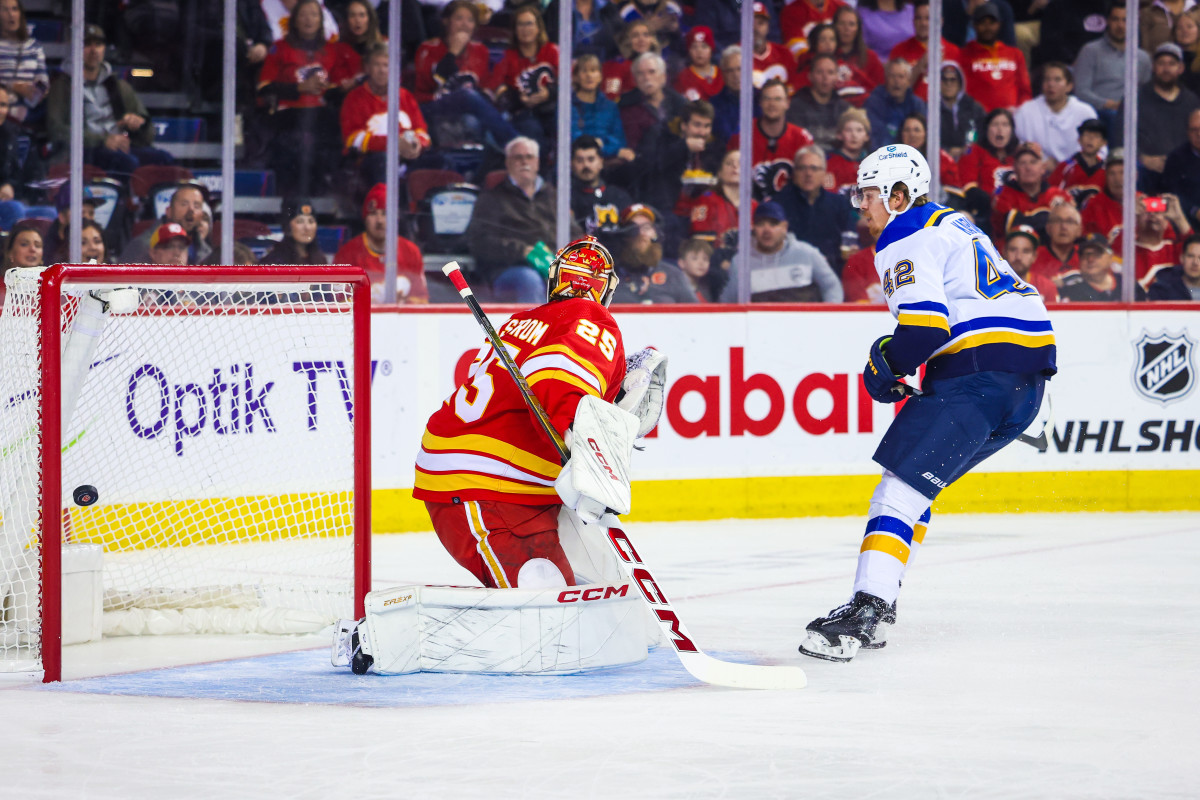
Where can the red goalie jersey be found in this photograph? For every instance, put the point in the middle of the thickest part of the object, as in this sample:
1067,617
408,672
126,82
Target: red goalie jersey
483,443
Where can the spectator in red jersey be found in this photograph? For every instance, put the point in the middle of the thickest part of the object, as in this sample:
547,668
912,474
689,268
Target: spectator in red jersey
1020,251
1181,282
771,60
303,81
1160,226
650,108
860,281
859,69
1058,256
1083,173
701,78
816,107
889,104
914,132
854,134
986,165
1095,282
451,73
962,117
715,214
798,19
1026,198
886,23
299,242
636,40
364,120
367,250
996,73
525,79
361,28
1051,118
915,49
1102,212
822,41
593,114
775,141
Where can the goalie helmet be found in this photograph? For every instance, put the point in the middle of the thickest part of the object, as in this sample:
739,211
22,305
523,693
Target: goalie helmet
584,268
887,166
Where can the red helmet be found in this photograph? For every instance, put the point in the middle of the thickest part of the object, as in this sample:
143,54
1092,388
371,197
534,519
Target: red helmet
584,268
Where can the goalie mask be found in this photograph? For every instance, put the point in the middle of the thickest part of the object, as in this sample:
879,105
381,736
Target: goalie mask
584,268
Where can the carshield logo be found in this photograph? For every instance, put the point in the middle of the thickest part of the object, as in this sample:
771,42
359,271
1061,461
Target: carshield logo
1164,369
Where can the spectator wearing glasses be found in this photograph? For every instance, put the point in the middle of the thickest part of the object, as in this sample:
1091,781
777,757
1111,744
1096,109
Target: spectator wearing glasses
525,80
815,214
963,119
915,50
1059,255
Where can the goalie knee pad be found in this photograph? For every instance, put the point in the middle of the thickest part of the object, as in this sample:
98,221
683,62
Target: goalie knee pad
539,573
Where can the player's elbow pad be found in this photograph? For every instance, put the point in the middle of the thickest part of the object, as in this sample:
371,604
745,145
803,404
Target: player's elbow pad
912,345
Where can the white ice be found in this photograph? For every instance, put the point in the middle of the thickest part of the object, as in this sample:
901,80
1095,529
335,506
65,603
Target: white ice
1039,656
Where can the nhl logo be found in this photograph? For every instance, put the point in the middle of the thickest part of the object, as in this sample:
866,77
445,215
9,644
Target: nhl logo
1164,371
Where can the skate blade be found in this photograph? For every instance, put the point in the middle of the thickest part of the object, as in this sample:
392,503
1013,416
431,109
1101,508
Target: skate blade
818,646
880,640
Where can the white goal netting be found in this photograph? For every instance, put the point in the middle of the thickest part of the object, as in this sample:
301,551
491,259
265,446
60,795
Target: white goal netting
214,420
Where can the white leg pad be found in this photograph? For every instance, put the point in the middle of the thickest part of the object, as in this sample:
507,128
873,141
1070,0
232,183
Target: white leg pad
540,573
557,631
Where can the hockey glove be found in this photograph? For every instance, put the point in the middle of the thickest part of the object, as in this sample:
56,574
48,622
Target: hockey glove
883,384
642,390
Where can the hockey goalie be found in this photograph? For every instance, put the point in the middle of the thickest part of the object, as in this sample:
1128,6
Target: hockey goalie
531,530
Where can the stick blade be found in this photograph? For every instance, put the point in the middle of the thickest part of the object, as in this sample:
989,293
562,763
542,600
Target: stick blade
743,676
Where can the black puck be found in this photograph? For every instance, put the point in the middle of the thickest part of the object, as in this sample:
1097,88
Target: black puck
85,495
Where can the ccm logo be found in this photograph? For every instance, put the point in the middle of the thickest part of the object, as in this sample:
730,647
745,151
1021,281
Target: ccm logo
594,593
396,600
603,461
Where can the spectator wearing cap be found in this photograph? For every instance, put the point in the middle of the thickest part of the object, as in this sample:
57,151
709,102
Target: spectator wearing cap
1181,176
996,73
771,59
963,119
957,16
816,107
1095,282
56,235
364,121
701,78
853,142
1026,198
775,141
510,222
367,250
1160,225
1058,255
1182,281
1100,68
187,203
1083,173
889,104
1052,119
814,214
915,49
645,277
118,135
22,61
299,242
169,245
1102,212
1020,251
595,205
1162,114
782,268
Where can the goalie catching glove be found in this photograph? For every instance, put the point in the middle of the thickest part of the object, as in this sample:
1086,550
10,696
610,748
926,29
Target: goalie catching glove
642,390
595,478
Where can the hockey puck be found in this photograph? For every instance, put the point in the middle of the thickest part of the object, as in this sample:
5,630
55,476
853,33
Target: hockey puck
85,495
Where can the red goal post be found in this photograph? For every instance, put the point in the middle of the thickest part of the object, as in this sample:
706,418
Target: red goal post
205,314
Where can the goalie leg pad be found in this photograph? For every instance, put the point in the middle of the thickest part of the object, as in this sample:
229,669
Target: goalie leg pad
558,631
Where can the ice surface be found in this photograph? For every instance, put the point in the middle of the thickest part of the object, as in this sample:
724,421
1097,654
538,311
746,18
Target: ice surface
1035,656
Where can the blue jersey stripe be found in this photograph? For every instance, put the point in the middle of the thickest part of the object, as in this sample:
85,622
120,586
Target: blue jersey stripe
924,305
981,323
890,525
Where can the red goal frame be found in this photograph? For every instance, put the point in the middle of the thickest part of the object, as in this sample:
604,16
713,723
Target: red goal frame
51,429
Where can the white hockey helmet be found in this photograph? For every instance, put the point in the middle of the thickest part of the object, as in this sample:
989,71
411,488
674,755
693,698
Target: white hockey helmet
887,166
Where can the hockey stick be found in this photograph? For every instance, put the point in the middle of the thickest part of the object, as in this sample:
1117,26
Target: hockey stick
1040,442
701,665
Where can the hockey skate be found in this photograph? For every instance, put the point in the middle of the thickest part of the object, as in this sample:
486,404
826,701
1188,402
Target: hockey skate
347,648
861,623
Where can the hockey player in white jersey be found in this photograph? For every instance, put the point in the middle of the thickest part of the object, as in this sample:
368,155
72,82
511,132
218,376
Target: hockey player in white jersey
988,345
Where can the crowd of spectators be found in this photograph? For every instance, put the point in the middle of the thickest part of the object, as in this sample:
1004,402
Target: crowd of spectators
1029,107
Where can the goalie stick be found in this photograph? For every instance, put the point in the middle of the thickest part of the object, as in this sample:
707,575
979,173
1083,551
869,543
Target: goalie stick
701,665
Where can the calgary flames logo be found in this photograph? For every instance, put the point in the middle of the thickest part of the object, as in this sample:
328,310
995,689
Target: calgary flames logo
772,176
536,78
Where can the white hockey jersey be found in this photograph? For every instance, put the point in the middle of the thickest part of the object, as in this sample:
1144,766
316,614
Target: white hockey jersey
958,304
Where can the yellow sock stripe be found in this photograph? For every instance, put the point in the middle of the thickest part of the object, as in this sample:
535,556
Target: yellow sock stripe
481,533
919,533
884,543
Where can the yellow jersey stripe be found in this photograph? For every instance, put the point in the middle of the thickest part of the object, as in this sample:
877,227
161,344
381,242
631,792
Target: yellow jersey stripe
458,482
882,543
933,220
997,337
930,320
578,359
495,448
475,516
565,377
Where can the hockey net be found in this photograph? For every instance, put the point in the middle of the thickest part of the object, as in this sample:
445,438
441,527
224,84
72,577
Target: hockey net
220,414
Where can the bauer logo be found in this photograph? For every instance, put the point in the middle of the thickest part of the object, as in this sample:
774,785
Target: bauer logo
1164,369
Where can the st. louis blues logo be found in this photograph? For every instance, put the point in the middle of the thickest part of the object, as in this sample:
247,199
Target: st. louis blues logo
1165,371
